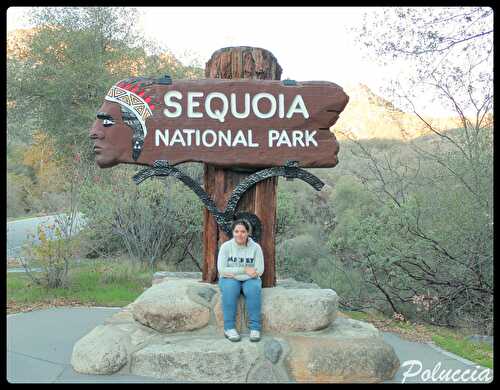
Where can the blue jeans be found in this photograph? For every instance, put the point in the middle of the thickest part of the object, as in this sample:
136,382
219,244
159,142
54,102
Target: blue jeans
231,289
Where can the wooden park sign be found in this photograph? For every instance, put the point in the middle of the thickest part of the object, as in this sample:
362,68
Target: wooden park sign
247,123
225,123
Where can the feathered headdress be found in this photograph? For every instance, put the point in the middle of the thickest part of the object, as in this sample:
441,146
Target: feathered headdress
136,107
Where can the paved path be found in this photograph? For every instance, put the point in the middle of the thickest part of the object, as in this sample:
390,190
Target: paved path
427,358
18,232
40,343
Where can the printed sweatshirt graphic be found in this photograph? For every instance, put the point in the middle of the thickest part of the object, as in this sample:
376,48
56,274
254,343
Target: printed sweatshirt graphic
233,258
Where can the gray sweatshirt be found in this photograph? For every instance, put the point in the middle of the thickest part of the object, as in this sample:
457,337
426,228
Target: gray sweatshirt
233,258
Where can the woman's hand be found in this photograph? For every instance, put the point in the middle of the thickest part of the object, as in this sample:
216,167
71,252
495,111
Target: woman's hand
228,275
251,271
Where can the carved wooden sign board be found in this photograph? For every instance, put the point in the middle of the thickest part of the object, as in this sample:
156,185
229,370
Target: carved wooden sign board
246,123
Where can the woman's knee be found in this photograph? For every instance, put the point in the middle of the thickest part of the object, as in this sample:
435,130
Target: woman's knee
252,286
229,286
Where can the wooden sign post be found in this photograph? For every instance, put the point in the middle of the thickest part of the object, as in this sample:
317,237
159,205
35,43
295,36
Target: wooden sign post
240,63
239,120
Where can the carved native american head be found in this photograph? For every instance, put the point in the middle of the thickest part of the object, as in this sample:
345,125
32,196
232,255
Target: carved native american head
127,106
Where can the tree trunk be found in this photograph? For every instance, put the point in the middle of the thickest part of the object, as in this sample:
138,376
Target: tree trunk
240,63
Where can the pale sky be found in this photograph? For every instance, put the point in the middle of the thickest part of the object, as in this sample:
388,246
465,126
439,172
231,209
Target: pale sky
310,43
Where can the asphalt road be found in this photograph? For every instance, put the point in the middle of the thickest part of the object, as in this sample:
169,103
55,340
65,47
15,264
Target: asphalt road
19,232
40,343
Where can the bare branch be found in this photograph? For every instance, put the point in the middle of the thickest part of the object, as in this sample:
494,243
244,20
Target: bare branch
444,48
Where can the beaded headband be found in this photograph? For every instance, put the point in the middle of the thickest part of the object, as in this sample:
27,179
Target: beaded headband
135,107
133,102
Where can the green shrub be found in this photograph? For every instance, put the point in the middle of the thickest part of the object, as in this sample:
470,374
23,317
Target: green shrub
53,253
297,257
150,222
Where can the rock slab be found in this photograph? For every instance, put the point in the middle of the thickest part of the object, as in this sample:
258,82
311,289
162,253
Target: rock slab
197,360
349,351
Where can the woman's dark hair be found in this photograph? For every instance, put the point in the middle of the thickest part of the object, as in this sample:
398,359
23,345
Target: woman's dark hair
243,222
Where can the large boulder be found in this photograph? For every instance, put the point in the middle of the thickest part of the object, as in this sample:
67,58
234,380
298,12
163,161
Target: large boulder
174,306
348,351
102,351
280,312
299,309
107,348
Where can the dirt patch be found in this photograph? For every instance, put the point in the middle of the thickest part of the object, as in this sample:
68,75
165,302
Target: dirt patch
16,307
14,263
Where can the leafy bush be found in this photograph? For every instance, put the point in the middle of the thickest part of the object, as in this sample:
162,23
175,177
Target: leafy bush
53,254
297,257
419,237
287,214
150,221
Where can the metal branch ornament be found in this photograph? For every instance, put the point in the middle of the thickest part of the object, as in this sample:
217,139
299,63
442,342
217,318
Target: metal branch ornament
225,218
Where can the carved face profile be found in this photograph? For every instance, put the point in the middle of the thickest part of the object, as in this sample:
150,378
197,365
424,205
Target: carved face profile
107,134
124,111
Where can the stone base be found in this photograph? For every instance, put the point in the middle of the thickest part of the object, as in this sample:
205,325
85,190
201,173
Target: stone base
174,331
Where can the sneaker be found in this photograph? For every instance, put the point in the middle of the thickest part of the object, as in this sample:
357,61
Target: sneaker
232,335
254,335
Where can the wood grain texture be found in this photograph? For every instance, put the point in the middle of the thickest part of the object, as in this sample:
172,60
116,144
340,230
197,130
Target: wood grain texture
324,101
220,182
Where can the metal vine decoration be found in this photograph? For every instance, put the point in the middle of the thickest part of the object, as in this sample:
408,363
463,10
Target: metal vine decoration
225,218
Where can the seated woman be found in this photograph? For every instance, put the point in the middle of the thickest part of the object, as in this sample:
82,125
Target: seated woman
240,264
